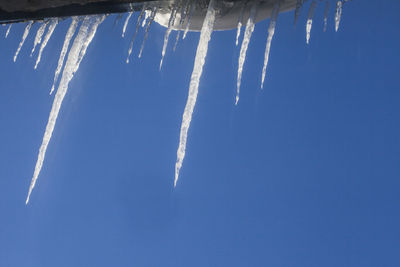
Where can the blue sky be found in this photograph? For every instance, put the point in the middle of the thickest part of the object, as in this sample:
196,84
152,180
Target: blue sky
304,173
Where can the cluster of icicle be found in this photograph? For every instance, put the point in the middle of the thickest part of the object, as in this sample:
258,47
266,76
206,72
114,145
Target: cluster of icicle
87,26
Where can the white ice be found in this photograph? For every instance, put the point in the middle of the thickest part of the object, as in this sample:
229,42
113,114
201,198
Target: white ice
167,33
183,14
239,25
189,18
67,40
8,30
338,14
46,38
136,32
146,16
310,17
245,44
39,35
271,32
126,23
147,29
199,61
75,55
26,32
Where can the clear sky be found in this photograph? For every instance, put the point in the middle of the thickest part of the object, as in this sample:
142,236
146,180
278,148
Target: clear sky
304,173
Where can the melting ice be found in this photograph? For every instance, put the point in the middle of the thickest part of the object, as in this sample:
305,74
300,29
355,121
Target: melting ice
311,12
245,44
199,61
75,53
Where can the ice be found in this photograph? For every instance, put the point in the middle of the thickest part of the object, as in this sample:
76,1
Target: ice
67,40
136,32
199,61
39,35
26,32
310,17
53,24
189,18
75,55
239,25
126,23
271,32
147,29
183,14
167,33
146,16
245,44
8,30
338,14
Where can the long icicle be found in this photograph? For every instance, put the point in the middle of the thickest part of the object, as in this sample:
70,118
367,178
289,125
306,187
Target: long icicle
299,5
46,38
189,18
271,32
239,25
8,30
310,17
39,35
171,22
67,40
199,61
338,14
147,29
78,49
26,32
136,32
326,14
245,44
126,23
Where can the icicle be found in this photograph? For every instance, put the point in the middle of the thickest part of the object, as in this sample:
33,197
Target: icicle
299,5
8,30
239,25
49,33
146,32
67,40
178,34
189,18
245,44
271,32
183,14
26,32
338,14
326,13
136,31
78,50
310,16
126,23
39,35
167,33
186,12
199,61
146,16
